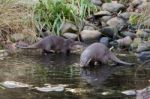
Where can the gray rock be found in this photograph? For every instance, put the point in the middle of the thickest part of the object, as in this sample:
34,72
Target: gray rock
88,28
119,23
144,46
146,23
143,34
112,7
97,2
143,56
90,34
107,13
106,18
109,31
136,2
68,27
143,7
128,33
124,15
70,35
17,36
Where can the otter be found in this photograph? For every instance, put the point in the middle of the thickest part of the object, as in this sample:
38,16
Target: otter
53,43
100,53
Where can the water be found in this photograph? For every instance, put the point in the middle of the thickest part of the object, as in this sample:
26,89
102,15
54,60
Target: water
105,82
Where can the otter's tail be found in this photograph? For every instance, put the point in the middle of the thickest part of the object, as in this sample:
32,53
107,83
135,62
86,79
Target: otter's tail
115,59
34,46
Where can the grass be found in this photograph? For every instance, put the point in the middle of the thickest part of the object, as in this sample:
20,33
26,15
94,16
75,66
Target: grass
51,14
15,18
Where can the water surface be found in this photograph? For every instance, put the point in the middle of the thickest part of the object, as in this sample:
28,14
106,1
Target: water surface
92,83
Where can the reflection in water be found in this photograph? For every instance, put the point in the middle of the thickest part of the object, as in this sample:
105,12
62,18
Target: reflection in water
54,69
96,77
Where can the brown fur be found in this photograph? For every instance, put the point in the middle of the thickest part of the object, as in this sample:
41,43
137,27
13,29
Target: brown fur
52,43
100,53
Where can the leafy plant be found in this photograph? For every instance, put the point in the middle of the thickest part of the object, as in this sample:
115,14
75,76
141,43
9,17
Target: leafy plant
51,14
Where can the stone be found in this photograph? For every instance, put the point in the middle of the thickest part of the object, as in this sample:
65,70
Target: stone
90,34
109,31
97,2
88,28
146,23
141,33
107,13
17,36
70,35
135,3
128,33
113,7
68,27
144,46
106,18
119,23
124,15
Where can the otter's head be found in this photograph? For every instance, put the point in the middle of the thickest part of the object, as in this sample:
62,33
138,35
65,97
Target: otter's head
84,60
70,43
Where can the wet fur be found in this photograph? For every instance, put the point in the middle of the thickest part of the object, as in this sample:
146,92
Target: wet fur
52,43
100,53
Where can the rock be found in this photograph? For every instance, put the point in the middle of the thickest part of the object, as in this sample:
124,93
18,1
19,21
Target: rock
143,6
88,28
109,31
68,27
147,30
105,41
135,3
143,56
105,18
136,42
90,34
97,2
124,15
144,46
141,33
146,23
129,92
105,13
3,54
10,47
13,84
17,36
70,35
119,23
126,41
50,88
128,33
113,7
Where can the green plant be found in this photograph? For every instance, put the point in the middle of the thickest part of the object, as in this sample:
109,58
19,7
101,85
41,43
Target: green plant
133,19
51,14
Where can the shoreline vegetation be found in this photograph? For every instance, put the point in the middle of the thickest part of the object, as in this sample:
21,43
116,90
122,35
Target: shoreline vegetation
32,20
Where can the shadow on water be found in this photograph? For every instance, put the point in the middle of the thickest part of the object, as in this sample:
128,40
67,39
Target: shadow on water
92,83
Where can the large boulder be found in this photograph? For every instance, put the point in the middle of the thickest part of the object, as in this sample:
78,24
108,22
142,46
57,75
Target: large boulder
113,7
90,34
